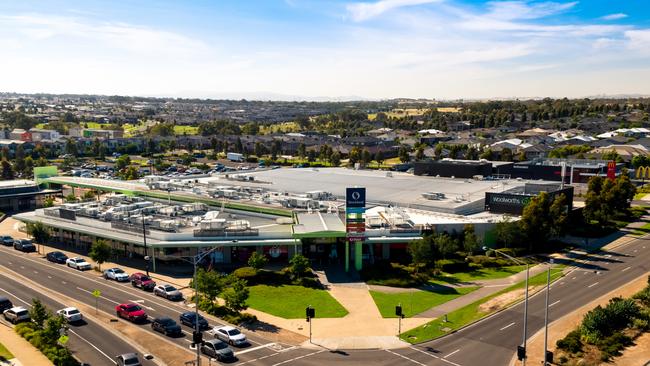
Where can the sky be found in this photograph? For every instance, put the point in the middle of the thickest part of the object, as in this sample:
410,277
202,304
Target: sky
326,49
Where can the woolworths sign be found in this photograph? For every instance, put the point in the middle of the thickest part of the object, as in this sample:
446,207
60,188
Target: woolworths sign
509,200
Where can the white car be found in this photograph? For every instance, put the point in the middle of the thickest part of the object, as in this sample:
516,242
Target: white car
230,335
169,292
78,263
16,314
116,274
71,314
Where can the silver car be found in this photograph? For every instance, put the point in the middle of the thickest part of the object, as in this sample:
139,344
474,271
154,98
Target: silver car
169,292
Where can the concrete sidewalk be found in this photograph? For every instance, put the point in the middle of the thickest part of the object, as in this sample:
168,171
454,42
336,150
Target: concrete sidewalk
25,353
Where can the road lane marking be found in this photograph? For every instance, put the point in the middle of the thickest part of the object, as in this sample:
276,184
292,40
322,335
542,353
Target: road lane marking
404,357
300,357
456,351
63,282
50,277
434,356
254,348
573,278
625,269
592,285
141,303
17,298
91,345
35,272
508,326
554,303
101,297
636,250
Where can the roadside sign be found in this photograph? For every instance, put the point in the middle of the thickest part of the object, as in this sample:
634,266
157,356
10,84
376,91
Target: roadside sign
355,210
355,197
64,339
353,239
97,293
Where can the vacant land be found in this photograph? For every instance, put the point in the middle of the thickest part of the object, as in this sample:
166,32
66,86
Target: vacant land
289,302
415,302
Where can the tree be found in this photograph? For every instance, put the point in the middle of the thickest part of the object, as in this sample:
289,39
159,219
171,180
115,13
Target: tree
379,157
52,330
419,153
100,252
403,154
38,231
298,265
421,252
366,157
535,223
355,155
559,216
445,244
122,162
301,151
210,283
487,155
236,295
506,232
335,159
257,260
70,198
506,154
38,313
19,161
7,170
471,242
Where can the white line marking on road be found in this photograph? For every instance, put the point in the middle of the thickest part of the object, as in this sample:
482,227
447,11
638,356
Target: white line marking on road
562,283
12,263
584,273
554,303
636,250
434,356
299,357
254,348
573,278
508,326
22,267
404,357
91,345
36,272
50,277
625,269
592,285
101,297
141,302
456,351
63,282
18,298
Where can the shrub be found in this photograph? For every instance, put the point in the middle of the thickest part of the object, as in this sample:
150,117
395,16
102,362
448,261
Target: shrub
484,261
612,345
308,282
571,343
245,273
452,265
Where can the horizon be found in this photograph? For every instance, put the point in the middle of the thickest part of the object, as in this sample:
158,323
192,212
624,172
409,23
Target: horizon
314,50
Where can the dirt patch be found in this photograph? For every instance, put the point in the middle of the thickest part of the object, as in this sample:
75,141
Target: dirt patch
504,300
638,354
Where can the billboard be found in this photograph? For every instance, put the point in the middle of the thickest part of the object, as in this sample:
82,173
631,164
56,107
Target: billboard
355,197
42,172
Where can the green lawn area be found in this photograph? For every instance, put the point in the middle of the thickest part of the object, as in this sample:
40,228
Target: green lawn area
4,353
469,313
186,130
415,302
289,302
639,196
480,274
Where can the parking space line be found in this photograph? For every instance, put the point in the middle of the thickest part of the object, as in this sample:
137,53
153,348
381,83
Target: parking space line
456,351
592,285
625,269
554,303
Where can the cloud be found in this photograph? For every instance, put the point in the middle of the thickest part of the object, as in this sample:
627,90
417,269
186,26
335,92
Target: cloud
512,10
366,10
639,39
615,16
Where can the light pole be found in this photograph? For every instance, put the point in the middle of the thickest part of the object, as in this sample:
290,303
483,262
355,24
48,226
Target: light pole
144,240
548,288
523,359
195,261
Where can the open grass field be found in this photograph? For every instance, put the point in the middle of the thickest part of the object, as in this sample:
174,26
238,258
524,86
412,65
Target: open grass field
472,312
283,127
186,130
415,302
4,353
481,274
289,302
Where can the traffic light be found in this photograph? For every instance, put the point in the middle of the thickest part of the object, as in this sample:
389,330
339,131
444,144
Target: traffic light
197,338
521,353
398,311
310,312
549,357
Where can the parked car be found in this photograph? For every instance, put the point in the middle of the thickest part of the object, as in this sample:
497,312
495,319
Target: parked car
167,326
217,349
7,240
16,314
142,281
230,335
189,319
24,245
128,359
5,304
56,257
71,314
116,274
131,311
169,292
78,263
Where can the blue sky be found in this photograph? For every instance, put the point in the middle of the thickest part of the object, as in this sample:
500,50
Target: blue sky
443,49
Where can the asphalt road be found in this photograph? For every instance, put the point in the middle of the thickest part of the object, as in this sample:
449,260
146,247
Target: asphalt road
88,341
489,342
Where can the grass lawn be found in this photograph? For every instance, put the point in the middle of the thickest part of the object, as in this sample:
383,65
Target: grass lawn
469,313
289,302
186,130
4,353
639,196
480,274
415,302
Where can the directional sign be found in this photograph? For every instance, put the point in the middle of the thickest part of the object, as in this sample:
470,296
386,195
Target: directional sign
97,293
64,339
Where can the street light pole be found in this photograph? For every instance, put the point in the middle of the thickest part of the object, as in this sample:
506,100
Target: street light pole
548,287
196,310
144,240
525,299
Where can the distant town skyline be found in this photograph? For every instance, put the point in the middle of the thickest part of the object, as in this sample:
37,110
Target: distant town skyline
318,50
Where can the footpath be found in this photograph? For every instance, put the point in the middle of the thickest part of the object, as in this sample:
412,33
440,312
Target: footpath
25,353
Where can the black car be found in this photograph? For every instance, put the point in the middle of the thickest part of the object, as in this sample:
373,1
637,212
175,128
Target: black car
5,304
167,326
56,257
24,245
217,349
189,319
6,240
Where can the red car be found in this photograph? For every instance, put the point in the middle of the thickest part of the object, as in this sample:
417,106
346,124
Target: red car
131,311
143,281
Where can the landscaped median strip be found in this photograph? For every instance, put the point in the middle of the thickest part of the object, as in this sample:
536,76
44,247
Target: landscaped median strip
472,312
416,301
